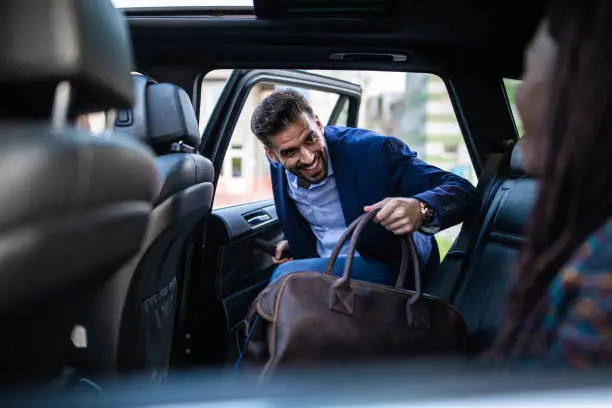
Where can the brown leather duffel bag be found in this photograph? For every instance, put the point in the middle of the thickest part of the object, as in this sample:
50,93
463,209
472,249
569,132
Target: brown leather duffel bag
309,317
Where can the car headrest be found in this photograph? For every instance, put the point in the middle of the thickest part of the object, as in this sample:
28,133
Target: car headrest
516,160
135,121
46,42
162,115
171,116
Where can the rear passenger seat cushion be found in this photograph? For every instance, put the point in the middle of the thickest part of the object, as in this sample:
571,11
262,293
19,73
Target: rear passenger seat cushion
491,269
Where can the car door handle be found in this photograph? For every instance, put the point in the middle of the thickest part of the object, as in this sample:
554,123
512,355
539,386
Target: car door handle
257,218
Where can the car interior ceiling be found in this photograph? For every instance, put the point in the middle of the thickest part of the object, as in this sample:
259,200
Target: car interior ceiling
471,45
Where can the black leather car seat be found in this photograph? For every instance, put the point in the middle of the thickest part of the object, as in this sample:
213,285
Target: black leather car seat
489,271
73,207
131,324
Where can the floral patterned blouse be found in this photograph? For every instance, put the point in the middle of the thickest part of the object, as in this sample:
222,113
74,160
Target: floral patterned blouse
574,327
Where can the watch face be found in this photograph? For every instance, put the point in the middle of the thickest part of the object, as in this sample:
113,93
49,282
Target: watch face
425,210
428,218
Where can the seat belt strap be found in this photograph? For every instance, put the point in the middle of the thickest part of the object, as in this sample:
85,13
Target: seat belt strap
469,227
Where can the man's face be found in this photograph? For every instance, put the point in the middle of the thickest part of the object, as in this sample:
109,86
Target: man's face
301,149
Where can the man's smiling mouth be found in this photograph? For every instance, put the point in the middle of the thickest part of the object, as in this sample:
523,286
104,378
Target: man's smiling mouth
314,168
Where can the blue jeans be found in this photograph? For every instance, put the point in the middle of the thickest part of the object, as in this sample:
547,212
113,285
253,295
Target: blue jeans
362,269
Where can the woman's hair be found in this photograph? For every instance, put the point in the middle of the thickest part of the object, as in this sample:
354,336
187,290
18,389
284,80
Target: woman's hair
576,143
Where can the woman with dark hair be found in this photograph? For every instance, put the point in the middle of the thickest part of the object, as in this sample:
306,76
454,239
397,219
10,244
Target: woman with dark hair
560,309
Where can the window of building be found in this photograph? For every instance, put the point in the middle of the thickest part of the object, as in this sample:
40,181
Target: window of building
236,167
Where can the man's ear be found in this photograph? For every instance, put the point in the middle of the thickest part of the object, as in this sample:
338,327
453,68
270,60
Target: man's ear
271,154
318,123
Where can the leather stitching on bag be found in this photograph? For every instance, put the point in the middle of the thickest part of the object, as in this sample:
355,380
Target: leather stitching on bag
262,314
418,318
342,301
258,301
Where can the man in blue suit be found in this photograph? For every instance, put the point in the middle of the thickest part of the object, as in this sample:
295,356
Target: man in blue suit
325,177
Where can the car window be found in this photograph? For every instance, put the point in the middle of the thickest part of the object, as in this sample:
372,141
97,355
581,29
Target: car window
511,86
94,122
212,86
444,144
411,106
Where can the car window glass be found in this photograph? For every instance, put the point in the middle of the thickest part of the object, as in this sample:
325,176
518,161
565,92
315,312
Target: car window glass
411,106
511,86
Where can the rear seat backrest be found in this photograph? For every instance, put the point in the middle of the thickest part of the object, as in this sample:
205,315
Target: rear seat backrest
73,207
490,269
131,322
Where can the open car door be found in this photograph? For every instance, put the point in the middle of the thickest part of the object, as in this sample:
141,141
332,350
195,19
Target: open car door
234,268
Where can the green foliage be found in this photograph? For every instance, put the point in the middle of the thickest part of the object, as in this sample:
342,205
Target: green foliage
437,96
442,117
511,87
444,245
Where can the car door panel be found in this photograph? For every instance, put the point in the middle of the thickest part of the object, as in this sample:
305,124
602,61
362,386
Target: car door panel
242,270
234,230
238,220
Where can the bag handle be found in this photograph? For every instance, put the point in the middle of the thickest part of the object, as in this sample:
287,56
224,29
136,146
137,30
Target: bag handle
355,229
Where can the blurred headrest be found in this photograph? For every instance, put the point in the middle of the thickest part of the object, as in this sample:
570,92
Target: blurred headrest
516,160
162,115
84,42
135,120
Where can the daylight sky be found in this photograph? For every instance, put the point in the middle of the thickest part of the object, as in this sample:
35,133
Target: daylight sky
180,3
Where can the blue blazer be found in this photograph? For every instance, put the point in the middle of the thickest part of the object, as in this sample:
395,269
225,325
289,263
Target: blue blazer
369,168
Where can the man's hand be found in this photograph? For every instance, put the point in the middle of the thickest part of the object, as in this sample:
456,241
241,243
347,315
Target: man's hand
398,215
278,259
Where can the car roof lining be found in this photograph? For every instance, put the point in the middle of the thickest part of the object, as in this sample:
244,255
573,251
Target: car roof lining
441,34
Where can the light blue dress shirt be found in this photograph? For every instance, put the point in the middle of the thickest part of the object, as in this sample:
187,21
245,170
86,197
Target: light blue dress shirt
320,206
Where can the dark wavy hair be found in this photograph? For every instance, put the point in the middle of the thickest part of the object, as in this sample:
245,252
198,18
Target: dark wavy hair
576,180
278,111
